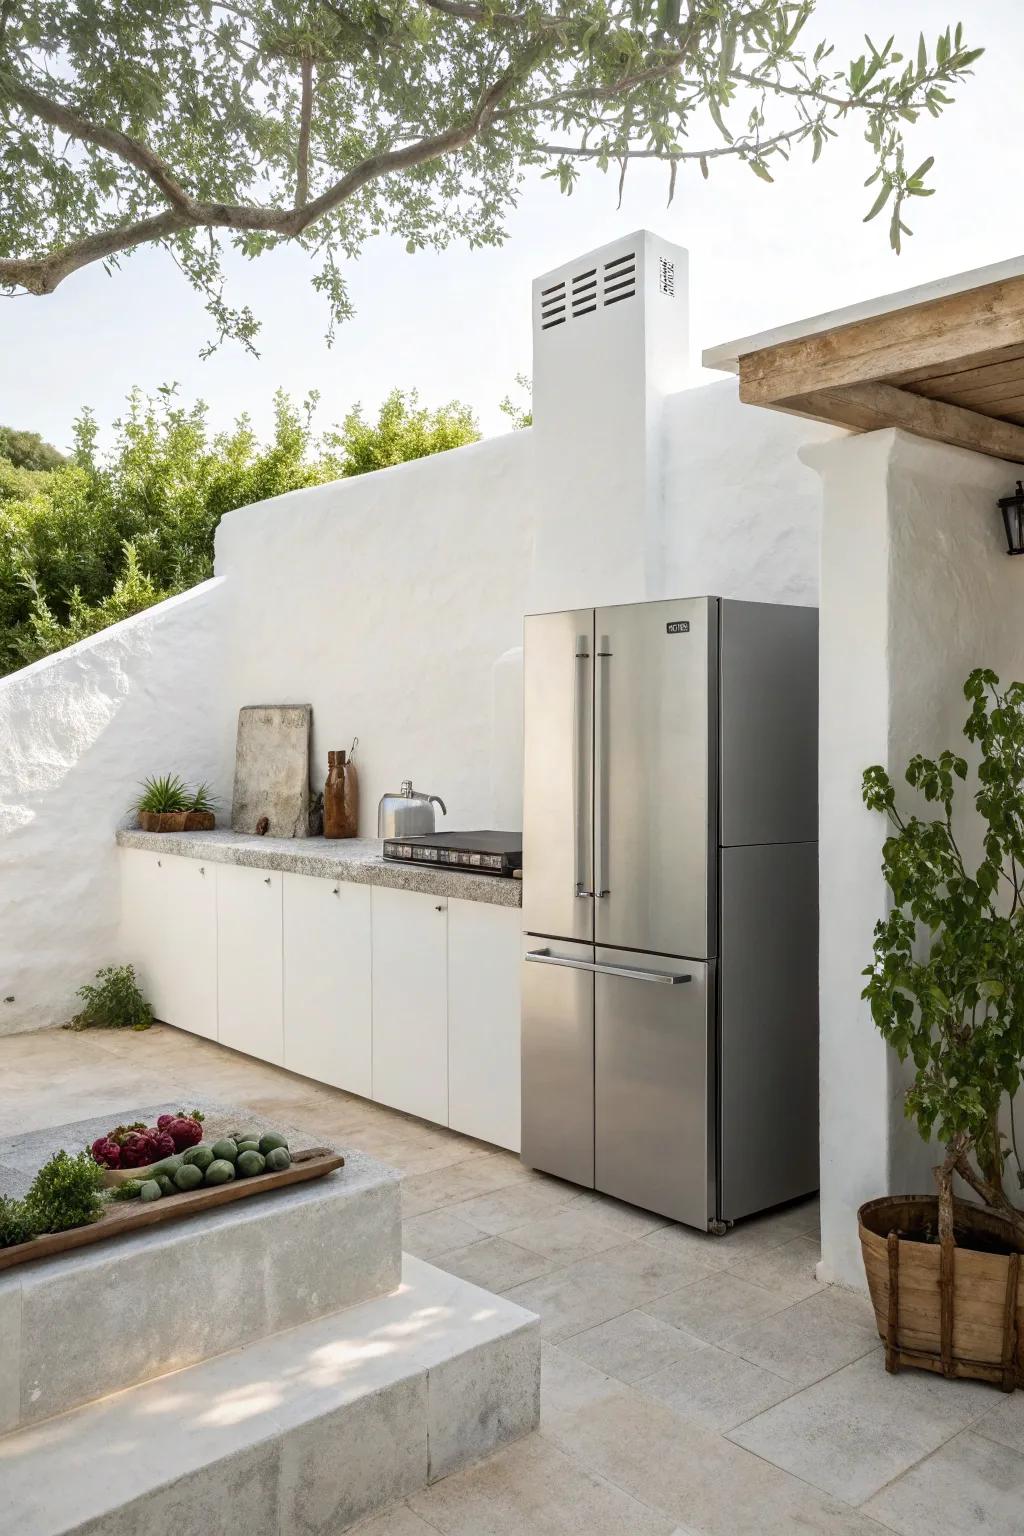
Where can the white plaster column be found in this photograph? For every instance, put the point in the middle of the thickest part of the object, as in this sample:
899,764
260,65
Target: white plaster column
916,590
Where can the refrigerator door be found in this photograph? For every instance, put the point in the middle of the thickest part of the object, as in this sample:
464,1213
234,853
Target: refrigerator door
655,760
769,1026
654,1084
558,1059
558,774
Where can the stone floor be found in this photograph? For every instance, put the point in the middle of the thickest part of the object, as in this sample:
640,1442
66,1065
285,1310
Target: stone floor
691,1384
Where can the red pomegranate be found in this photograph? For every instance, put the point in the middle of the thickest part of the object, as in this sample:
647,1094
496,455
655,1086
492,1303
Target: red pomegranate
138,1150
186,1130
106,1152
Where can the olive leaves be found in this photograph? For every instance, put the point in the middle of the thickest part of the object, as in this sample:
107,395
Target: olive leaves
946,984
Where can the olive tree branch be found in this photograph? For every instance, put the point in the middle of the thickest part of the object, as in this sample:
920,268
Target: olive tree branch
737,147
40,275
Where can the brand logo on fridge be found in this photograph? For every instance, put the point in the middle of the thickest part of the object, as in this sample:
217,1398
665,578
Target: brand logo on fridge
678,627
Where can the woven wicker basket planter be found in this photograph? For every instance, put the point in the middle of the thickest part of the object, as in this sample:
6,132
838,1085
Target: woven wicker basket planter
955,1310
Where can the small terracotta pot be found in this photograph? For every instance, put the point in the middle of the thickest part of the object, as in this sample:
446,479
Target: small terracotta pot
200,821
163,821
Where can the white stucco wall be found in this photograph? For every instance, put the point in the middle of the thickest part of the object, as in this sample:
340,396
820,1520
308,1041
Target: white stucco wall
916,591
742,514
393,603
390,603
79,730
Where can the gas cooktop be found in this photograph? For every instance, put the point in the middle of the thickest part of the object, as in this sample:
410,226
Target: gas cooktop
479,853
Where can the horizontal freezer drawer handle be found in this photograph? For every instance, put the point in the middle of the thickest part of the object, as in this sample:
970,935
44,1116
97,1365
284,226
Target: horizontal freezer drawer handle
664,978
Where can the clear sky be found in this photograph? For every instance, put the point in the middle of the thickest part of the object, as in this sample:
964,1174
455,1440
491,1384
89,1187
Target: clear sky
458,324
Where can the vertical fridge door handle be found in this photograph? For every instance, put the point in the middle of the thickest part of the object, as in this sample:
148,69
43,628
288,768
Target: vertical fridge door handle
580,799
600,780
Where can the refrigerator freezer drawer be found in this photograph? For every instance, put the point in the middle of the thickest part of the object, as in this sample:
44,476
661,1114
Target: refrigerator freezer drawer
654,1085
558,1059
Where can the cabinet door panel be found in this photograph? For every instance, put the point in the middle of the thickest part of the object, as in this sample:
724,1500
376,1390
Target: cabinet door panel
249,961
483,1021
410,1002
191,897
327,981
145,938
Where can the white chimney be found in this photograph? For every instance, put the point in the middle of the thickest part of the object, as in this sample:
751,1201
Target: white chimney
610,340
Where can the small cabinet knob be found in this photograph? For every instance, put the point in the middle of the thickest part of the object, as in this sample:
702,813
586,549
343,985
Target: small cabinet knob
267,880
335,891
439,907
202,871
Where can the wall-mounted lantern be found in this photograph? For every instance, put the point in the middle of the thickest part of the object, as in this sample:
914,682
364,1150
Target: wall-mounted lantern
1012,508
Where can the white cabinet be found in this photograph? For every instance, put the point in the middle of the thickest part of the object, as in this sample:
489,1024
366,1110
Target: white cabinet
192,896
147,940
410,1002
249,993
169,934
399,996
483,1021
327,981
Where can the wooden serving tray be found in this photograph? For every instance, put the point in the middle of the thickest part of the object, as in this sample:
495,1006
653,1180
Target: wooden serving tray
131,1215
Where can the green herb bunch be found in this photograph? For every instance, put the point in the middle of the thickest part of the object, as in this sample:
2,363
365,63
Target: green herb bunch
116,1003
16,1224
65,1193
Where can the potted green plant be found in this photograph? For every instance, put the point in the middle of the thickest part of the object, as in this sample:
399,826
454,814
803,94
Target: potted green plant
163,805
200,816
946,989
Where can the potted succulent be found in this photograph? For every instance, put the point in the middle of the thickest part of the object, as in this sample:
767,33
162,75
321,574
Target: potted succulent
168,805
163,804
946,989
200,815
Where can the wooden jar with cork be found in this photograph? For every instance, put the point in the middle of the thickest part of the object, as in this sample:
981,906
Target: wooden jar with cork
341,794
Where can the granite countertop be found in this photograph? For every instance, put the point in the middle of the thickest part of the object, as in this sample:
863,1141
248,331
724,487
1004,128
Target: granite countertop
358,859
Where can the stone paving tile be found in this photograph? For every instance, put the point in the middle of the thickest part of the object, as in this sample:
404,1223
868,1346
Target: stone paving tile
811,1338
655,1270
698,1478
566,1235
1004,1423
397,1521
789,1268
567,1303
437,1232
969,1485
858,1429
507,1208
627,1219
630,1347
494,1263
715,1307
712,1252
567,1383
533,1489
460,1181
710,1387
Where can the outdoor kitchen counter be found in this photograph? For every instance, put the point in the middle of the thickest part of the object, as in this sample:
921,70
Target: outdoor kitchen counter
357,859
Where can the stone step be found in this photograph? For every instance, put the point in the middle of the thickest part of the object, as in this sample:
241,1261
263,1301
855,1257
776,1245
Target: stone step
95,1320
302,1434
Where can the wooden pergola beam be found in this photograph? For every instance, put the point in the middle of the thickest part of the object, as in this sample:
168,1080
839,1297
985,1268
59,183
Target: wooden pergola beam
871,406
934,335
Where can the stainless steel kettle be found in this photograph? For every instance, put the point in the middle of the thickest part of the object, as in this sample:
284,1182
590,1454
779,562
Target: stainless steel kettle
407,814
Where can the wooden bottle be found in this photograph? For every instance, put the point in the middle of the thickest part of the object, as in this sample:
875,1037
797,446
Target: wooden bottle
341,797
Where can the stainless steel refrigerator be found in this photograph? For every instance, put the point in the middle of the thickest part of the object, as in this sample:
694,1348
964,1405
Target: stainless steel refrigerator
670,1020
